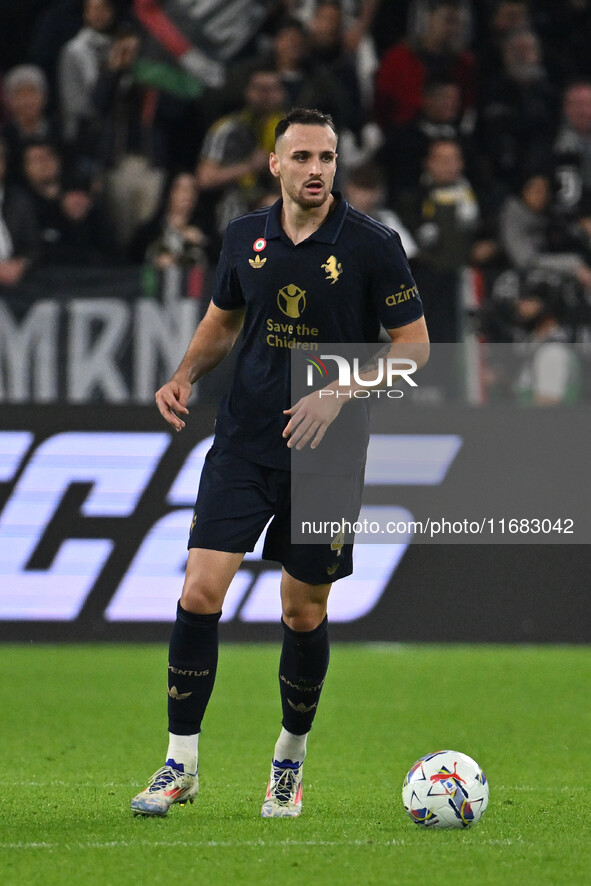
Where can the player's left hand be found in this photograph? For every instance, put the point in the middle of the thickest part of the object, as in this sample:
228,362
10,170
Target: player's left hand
309,419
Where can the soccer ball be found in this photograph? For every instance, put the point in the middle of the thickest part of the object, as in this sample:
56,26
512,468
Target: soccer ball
446,789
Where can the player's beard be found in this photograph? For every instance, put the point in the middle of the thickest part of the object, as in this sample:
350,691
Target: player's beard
306,199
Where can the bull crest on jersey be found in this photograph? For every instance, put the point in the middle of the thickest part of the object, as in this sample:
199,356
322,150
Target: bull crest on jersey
332,268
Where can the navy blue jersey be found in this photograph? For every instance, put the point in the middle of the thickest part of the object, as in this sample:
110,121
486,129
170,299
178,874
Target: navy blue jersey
336,286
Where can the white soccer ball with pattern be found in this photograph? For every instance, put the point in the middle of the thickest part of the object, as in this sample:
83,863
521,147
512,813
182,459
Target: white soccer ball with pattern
446,789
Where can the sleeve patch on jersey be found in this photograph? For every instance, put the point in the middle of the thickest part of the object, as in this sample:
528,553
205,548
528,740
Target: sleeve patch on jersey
404,294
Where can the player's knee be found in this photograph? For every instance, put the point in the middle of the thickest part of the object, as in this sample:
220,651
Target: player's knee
201,598
303,616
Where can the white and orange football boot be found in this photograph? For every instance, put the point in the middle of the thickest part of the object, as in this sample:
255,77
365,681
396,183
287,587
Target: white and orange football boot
167,786
284,792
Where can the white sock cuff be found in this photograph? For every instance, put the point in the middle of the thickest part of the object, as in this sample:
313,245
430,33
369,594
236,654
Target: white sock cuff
291,747
183,749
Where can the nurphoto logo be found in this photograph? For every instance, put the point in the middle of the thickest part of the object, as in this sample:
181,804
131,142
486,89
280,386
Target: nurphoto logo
385,371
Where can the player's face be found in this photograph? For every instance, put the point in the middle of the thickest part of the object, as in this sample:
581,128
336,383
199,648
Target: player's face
305,161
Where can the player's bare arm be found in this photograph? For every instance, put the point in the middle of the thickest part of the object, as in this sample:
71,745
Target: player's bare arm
310,417
212,341
411,341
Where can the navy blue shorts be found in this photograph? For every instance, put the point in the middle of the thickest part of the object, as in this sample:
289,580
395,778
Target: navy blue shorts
237,498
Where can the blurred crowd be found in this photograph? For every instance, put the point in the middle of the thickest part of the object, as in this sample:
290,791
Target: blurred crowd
132,131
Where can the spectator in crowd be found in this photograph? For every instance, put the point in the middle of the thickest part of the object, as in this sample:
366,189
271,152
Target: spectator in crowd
174,247
42,169
74,227
565,29
25,94
572,149
443,216
366,190
359,17
518,110
389,24
530,236
328,47
140,102
501,19
550,372
578,230
290,56
80,62
434,52
85,229
236,148
19,235
187,50
305,80
359,138
49,30
132,144
175,234
442,210
359,26
406,146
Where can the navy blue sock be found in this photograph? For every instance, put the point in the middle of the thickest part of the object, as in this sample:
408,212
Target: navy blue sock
192,664
302,669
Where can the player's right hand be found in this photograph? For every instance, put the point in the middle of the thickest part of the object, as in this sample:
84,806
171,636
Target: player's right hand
171,400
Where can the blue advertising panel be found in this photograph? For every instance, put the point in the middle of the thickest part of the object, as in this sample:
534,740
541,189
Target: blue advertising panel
96,504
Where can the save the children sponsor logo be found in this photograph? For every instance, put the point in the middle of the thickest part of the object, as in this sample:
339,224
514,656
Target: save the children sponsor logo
292,301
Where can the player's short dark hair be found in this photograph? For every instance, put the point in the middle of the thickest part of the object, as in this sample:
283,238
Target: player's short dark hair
305,116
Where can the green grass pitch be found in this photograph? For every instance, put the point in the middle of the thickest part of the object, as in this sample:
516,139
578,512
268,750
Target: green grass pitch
84,726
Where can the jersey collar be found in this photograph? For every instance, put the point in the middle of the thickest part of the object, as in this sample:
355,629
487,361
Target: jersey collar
328,231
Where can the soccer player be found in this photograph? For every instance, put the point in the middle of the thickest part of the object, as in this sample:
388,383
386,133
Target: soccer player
308,269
